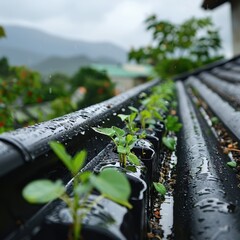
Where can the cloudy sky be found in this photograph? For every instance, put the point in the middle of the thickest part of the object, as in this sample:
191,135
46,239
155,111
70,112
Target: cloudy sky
116,21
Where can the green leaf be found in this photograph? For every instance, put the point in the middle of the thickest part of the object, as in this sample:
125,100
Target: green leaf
113,185
151,121
132,116
43,191
121,149
118,131
232,164
214,120
60,151
131,141
129,138
84,176
172,123
123,117
82,189
133,159
160,188
131,168
169,142
105,131
133,109
143,134
145,114
78,161
122,141
157,115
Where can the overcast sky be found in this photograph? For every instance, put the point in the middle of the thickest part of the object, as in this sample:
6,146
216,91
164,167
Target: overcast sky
116,21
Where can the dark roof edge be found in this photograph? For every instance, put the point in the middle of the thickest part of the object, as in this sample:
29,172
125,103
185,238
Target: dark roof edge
207,67
211,4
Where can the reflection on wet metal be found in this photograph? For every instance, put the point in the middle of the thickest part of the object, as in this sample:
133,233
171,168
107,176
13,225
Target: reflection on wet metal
220,231
204,192
166,221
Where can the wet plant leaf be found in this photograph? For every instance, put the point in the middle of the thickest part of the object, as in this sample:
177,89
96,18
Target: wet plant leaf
82,189
133,109
118,131
131,168
43,191
123,117
133,159
84,176
61,152
160,188
172,123
105,131
121,149
132,117
113,185
214,120
232,164
169,143
78,161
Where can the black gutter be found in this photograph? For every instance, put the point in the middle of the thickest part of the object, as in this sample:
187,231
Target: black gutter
32,142
206,192
208,67
222,109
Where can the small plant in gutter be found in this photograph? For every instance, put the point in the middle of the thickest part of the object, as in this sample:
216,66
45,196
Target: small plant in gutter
160,188
124,143
110,183
130,120
172,125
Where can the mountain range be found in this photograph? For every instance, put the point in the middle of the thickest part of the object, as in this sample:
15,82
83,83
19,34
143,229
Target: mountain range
48,53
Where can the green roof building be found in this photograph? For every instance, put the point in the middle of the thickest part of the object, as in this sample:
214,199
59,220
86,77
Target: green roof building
125,76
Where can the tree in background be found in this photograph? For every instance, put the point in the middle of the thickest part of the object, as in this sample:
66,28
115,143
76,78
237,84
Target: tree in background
179,48
24,93
4,67
57,85
20,88
2,32
97,84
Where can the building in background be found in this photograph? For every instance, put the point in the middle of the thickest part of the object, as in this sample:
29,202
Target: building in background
235,13
125,76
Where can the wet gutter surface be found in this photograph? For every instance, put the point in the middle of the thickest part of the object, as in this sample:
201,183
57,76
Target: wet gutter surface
206,192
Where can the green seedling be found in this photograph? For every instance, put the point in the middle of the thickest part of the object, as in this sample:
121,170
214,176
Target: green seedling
172,123
160,188
123,142
155,103
232,164
214,120
130,120
131,124
110,183
146,118
169,142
